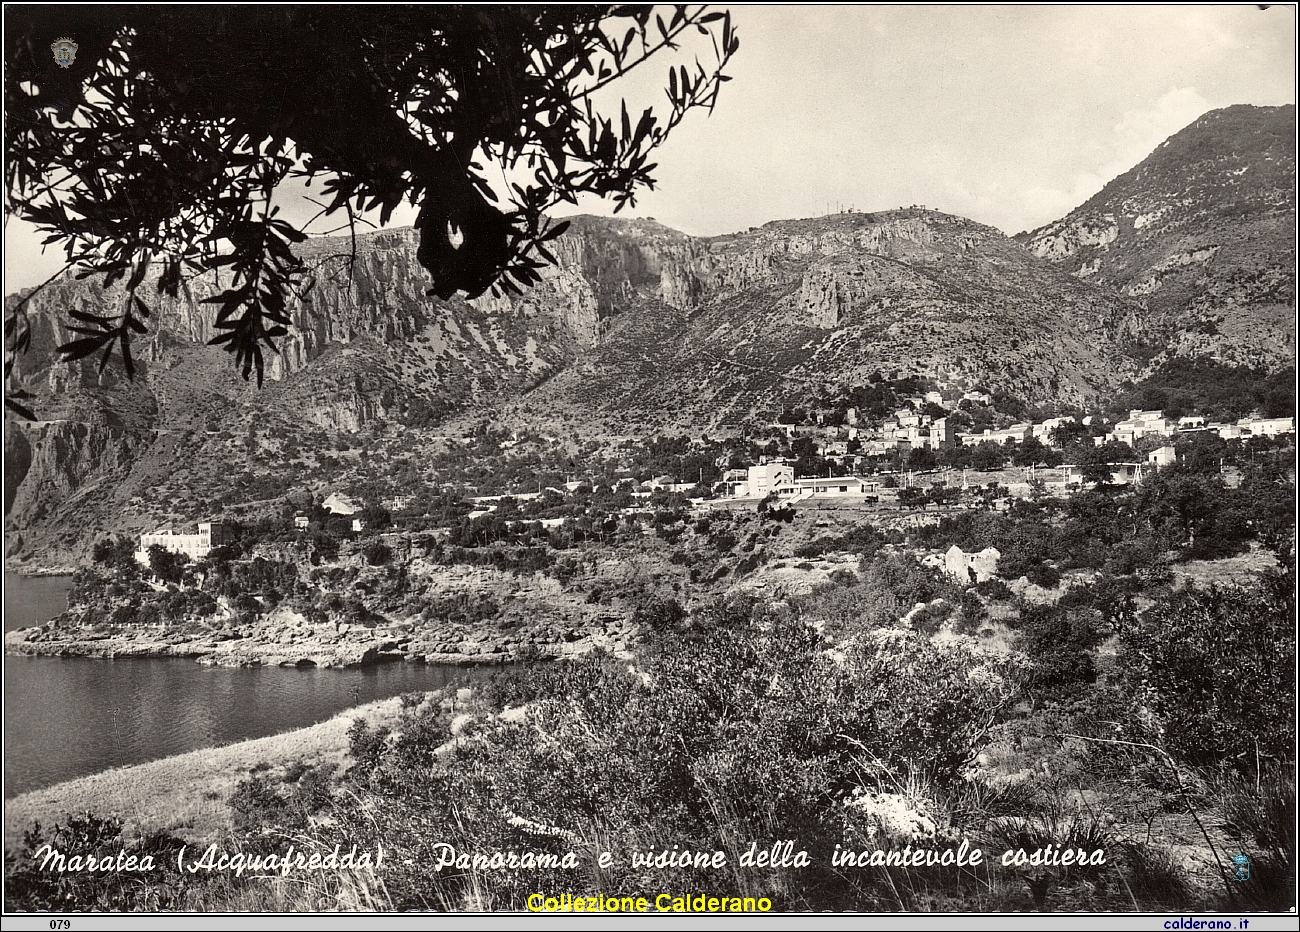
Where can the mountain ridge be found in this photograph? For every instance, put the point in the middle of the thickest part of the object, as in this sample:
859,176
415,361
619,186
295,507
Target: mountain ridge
641,329
1201,233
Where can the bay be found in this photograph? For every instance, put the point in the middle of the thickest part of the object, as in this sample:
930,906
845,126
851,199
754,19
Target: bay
69,717
34,600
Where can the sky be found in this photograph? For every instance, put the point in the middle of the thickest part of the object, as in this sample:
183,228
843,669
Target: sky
1009,115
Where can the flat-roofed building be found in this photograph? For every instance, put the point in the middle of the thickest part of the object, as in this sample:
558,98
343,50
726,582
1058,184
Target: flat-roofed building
765,477
195,546
828,486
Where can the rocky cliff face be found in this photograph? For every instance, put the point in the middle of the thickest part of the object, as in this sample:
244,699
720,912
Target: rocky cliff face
1202,234
367,343
641,328
52,467
434,349
743,324
636,324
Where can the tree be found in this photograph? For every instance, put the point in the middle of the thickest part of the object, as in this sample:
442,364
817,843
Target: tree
119,551
988,456
376,552
164,142
166,565
375,517
1217,668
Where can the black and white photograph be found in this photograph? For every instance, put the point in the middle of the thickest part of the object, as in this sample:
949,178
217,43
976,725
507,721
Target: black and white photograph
675,461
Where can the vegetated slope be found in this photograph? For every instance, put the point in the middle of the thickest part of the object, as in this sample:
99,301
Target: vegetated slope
366,344
741,324
1202,232
637,324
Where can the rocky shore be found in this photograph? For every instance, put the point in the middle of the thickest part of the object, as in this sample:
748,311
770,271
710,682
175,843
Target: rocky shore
285,638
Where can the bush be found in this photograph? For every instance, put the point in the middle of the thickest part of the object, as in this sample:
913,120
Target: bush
995,589
658,616
376,552
1260,817
263,807
28,888
1044,575
1216,667
1060,643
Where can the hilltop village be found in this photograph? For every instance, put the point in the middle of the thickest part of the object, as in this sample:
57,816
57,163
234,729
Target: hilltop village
524,544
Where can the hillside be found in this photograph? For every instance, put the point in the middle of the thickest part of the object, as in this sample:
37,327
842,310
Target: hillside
1202,233
639,329
742,324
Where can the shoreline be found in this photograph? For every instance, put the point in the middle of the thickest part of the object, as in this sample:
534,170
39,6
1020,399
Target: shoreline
261,655
286,638
40,572
187,793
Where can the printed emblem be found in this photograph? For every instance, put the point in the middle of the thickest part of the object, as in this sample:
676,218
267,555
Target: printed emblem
65,51
1242,863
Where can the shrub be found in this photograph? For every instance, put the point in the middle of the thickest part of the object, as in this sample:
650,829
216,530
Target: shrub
376,552
1216,666
28,888
1260,818
658,616
1044,575
263,806
1060,643
995,589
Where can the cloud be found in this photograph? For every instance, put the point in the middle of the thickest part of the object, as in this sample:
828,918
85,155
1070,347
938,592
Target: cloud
1132,138
1138,132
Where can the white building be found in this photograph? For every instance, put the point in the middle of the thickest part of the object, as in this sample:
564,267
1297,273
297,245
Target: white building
827,486
1016,433
764,478
1141,424
1120,474
1267,426
339,504
1165,456
971,567
195,546
1043,432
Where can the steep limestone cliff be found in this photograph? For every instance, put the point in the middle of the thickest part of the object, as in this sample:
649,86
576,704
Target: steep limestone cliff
1202,234
636,325
794,308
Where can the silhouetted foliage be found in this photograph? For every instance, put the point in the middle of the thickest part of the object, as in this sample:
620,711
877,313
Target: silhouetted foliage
165,141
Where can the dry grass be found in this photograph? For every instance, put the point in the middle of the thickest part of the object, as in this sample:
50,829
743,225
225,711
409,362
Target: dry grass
188,794
1230,570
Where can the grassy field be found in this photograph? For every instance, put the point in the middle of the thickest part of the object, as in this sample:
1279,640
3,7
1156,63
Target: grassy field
1230,570
188,794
